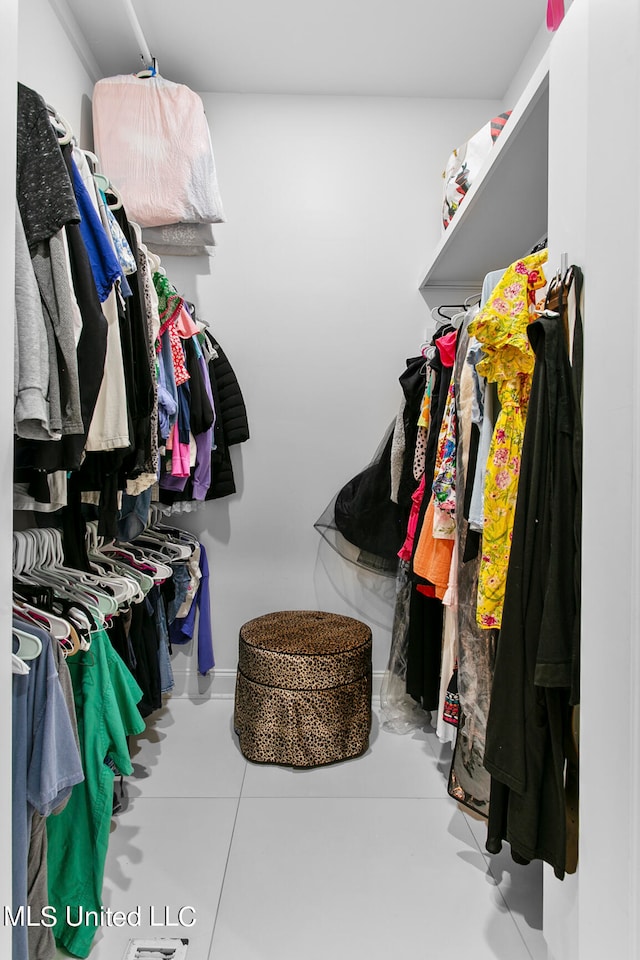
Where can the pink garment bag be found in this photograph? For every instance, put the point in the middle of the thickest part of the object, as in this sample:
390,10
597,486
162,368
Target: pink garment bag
154,144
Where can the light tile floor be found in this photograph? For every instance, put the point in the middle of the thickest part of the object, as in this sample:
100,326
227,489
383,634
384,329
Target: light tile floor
364,860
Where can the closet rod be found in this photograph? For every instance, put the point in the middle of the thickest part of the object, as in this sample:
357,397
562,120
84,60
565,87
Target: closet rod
145,52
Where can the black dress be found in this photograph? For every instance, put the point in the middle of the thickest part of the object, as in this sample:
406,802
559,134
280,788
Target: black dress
528,731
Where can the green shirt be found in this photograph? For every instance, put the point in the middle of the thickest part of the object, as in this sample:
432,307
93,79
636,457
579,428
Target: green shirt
105,695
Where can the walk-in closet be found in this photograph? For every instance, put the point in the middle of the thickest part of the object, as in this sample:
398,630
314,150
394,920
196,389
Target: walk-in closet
297,378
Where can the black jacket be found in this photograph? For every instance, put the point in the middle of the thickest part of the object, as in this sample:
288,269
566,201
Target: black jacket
231,426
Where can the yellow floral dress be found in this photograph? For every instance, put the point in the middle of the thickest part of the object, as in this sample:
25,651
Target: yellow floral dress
501,328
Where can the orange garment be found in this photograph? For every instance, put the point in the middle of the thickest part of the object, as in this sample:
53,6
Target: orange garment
432,559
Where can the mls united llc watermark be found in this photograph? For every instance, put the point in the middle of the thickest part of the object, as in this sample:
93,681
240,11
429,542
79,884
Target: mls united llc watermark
153,916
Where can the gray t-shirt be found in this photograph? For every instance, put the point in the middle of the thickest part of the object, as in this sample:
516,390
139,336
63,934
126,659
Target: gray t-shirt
31,356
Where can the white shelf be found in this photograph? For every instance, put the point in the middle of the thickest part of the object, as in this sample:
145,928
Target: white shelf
504,214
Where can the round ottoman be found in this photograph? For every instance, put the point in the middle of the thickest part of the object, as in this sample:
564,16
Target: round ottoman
303,691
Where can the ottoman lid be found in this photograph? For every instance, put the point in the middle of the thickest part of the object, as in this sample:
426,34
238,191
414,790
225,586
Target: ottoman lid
309,632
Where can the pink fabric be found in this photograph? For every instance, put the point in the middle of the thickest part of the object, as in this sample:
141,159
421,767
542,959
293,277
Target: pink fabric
180,371
153,141
406,549
180,458
555,13
447,348
185,325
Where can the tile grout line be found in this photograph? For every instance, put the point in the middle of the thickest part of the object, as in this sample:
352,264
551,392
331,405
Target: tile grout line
346,796
487,859
226,864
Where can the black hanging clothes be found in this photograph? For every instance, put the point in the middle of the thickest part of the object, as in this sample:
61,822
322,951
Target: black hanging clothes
140,391
529,726
231,425
424,651
201,415
412,382
363,515
364,512
43,187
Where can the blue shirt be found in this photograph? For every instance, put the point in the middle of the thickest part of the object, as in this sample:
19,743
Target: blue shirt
105,266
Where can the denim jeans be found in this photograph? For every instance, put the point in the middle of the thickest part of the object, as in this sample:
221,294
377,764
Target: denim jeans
167,682
181,580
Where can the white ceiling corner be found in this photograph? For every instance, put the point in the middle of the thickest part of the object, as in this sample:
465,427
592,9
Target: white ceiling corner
414,48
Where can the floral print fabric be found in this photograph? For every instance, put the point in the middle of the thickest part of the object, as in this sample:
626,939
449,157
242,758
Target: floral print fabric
444,483
501,328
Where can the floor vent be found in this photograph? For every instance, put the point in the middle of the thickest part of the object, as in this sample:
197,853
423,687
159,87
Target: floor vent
158,949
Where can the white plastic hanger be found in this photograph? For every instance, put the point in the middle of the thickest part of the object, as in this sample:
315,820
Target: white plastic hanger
62,127
53,624
29,647
19,666
39,559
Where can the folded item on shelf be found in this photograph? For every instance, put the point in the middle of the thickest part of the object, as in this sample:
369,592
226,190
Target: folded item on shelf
180,239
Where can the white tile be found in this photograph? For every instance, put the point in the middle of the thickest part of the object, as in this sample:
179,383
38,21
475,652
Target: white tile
393,766
166,854
519,886
188,750
355,878
443,752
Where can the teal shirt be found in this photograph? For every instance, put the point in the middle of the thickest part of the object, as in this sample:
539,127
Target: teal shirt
106,697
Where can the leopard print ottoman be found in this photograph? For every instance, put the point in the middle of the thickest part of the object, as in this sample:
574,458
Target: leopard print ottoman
303,691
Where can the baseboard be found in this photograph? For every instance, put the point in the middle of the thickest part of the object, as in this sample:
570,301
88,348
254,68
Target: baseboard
221,685
217,685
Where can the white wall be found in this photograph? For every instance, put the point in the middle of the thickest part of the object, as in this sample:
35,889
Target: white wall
9,33
567,234
49,62
530,61
610,754
595,72
333,205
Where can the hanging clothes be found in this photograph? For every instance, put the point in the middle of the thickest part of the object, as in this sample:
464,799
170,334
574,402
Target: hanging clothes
529,726
469,782
91,362
431,558
501,328
33,418
181,629
45,761
106,697
41,939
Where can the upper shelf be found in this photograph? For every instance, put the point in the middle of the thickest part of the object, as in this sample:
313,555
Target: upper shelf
504,213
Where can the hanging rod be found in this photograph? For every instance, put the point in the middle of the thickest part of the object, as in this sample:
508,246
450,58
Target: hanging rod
145,52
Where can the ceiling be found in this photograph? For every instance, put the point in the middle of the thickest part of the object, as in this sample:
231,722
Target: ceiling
415,48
